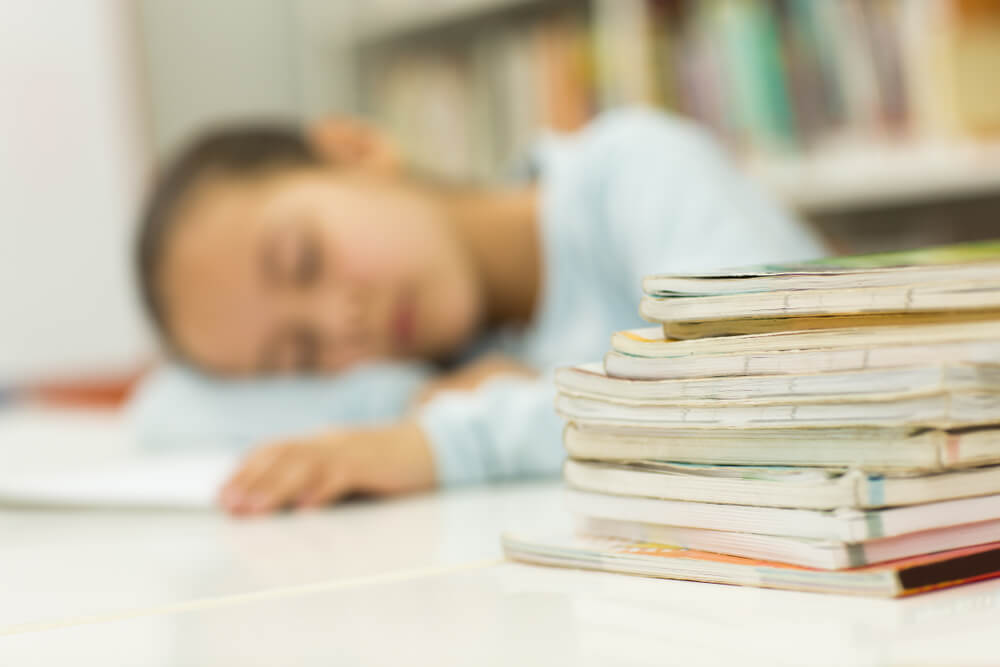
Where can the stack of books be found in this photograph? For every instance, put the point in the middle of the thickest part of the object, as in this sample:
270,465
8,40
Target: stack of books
833,426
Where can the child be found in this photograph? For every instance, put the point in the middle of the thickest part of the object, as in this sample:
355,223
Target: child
265,252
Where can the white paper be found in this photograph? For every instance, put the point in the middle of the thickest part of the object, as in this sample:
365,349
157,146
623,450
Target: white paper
147,481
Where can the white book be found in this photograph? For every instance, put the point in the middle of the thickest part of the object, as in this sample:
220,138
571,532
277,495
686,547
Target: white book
590,381
559,548
908,298
845,525
871,449
650,341
812,277
948,284
945,410
180,480
818,553
799,362
777,486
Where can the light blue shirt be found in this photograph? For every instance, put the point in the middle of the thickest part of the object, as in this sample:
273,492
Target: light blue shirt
636,192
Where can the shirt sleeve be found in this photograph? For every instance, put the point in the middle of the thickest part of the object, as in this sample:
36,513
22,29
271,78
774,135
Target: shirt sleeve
675,203
507,428
175,407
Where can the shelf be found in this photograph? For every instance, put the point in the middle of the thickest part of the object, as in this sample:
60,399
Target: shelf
392,20
839,176
881,175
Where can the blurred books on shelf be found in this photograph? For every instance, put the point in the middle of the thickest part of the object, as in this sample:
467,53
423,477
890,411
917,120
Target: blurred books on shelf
833,104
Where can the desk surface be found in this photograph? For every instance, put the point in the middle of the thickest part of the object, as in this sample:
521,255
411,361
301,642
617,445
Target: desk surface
418,581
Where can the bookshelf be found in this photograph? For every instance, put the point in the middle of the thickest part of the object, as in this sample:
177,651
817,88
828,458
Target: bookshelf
866,177
870,108
383,22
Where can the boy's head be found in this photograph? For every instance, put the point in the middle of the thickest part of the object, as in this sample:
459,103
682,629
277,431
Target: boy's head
264,250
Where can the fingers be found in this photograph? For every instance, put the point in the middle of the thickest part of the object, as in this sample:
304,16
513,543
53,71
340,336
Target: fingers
283,484
328,488
234,496
351,142
300,474
271,479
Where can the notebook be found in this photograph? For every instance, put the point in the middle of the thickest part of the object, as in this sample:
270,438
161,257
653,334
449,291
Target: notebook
590,381
650,341
819,554
937,285
872,449
964,261
943,411
188,481
777,486
845,525
701,317
647,354
893,579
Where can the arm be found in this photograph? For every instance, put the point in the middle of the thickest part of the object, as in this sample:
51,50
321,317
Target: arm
675,202
506,428
177,407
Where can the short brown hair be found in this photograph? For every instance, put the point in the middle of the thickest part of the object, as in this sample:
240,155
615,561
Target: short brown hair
242,151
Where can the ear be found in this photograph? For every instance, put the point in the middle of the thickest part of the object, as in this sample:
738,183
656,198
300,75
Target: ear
353,143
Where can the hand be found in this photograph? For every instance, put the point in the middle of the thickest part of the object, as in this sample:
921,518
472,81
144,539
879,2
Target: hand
311,472
473,374
350,142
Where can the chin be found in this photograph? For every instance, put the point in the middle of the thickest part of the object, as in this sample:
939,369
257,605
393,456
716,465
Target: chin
454,332
453,320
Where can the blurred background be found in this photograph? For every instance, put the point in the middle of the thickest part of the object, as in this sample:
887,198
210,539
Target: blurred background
878,120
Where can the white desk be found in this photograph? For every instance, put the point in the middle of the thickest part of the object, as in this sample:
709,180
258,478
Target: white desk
416,582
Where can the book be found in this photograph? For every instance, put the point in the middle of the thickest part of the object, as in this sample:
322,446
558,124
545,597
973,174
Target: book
896,578
701,317
958,283
871,449
647,354
761,325
649,342
797,362
958,262
590,381
162,481
777,486
943,410
819,554
842,524
791,79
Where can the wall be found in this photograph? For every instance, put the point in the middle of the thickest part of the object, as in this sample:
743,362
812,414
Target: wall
209,62
72,168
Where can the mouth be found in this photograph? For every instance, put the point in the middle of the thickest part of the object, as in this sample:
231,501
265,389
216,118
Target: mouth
404,320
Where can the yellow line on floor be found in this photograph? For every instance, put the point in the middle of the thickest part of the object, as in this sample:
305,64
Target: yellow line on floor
242,598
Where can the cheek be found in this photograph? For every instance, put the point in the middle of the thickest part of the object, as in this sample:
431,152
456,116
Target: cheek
368,257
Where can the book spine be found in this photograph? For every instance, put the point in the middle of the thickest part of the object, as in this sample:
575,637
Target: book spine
768,76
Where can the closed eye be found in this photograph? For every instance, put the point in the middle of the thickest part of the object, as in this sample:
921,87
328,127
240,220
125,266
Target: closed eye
291,258
308,262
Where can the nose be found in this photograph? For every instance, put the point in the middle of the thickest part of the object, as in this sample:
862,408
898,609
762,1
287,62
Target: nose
343,314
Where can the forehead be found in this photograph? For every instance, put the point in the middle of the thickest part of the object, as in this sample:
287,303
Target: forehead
208,279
